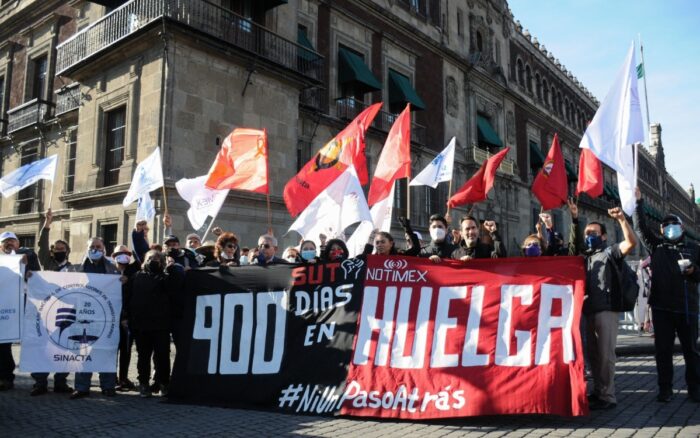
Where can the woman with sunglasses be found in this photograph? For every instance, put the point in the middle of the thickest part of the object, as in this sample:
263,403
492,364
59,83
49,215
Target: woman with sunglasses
226,251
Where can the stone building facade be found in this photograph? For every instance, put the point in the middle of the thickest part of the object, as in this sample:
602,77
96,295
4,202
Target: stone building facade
102,83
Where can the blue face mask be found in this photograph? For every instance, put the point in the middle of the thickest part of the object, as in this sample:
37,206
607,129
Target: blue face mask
95,254
533,251
673,231
308,254
593,241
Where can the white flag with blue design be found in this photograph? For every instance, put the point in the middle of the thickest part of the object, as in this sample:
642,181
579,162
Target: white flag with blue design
28,175
145,210
148,176
439,170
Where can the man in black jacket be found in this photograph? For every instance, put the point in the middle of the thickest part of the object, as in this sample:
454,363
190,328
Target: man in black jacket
675,268
599,309
439,248
470,245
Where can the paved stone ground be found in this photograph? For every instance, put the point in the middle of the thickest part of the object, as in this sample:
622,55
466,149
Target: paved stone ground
637,414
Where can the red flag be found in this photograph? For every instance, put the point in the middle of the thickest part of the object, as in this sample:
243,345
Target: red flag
590,174
395,160
550,184
479,185
241,163
346,149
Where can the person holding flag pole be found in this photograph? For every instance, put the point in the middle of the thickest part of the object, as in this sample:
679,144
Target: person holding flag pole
148,176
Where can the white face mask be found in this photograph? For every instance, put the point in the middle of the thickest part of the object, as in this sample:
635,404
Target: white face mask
437,234
122,259
291,259
226,256
243,260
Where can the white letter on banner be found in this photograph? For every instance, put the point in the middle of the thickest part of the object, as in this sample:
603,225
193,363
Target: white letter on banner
420,333
443,322
369,323
470,357
210,333
546,322
231,301
279,301
505,319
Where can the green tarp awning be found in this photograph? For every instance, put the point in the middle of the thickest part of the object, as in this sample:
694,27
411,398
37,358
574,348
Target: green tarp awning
536,156
570,172
486,133
352,68
303,41
401,91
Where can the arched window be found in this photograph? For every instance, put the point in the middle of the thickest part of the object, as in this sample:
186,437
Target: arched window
545,92
560,104
538,86
479,42
520,72
554,99
566,109
528,78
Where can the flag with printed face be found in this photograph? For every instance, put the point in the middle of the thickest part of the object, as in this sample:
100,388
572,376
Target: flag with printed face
551,186
346,149
241,163
148,176
439,170
477,188
27,175
204,202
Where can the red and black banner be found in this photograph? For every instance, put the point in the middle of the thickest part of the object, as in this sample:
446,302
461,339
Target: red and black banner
396,337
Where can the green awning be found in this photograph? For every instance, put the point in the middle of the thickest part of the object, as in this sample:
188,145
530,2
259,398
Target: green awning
536,156
401,91
352,68
303,41
486,133
570,172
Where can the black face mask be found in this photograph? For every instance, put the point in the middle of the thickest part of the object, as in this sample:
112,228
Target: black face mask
60,257
174,253
154,266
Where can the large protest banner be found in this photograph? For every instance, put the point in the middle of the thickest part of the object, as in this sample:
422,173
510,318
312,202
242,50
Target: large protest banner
71,322
12,281
420,340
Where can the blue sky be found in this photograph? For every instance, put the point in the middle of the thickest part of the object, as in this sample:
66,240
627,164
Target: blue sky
591,38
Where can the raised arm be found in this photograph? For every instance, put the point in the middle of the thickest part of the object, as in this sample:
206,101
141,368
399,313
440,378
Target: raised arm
575,240
44,249
649,239
627,245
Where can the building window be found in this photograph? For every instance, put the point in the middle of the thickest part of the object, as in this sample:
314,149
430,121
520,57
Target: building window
538,86
39,76
27,241
400,201
109,237
460,23
304,153
71,151
26,197
115,136
545,91
479,42
2,96
520,72
528,79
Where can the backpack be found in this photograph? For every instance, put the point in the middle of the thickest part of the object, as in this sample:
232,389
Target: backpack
627,286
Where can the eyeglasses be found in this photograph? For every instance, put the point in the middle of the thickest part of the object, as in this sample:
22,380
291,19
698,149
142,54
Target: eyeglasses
264,246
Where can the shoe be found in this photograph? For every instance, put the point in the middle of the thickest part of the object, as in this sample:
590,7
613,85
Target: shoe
155,388
602,405
39,390
62,388
164,390
109,392
125,385
79,394
144,391
6,384
664,395
592,398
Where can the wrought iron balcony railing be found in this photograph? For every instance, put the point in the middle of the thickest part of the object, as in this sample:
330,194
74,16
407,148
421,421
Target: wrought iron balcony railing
347,108
199,15
478,156
34,112
67,98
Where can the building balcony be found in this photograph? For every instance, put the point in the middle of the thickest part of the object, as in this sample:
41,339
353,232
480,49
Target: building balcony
201,16
348,108
32,113
478,156
67,98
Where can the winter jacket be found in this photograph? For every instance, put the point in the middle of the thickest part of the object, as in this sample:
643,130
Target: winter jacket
481,250
151,298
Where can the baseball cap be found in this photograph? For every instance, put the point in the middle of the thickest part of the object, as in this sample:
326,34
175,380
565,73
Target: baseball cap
193,236
171,238
7,235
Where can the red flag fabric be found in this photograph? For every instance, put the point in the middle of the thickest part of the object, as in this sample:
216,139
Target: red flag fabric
241,163
479,185
590,174
550,185
395,160
345,149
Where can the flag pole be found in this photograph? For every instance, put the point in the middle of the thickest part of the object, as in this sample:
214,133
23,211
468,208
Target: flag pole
646,95
269,213
408,199
51,194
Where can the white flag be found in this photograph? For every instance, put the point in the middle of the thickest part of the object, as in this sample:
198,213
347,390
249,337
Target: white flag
340,205
148,176
203,201
145,210
381,220
27,175
439,170
616,127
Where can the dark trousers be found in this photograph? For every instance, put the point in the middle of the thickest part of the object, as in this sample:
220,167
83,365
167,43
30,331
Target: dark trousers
153,344
668,325
126,341
41,380
7,363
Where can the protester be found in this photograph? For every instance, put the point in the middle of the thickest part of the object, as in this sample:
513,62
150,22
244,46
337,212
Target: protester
267,245
254,254
471,247
152,289
532,246
291,255
439,247
552,240
182,257
52,258
95,262
127,268
193,241
335,251
206,252
599,312
139,240
675,267
226,252
308,251
245,256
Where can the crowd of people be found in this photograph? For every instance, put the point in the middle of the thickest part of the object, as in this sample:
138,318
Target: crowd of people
152,307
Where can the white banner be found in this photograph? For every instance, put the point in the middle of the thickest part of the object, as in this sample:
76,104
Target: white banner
11,279
71,322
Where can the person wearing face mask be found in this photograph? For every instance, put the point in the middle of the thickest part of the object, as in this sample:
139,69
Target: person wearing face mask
226,252
267,245
334,251
532,246
291,255
601,294
439,247
308,251
673,298
470,246
175,254
127,268
150,318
